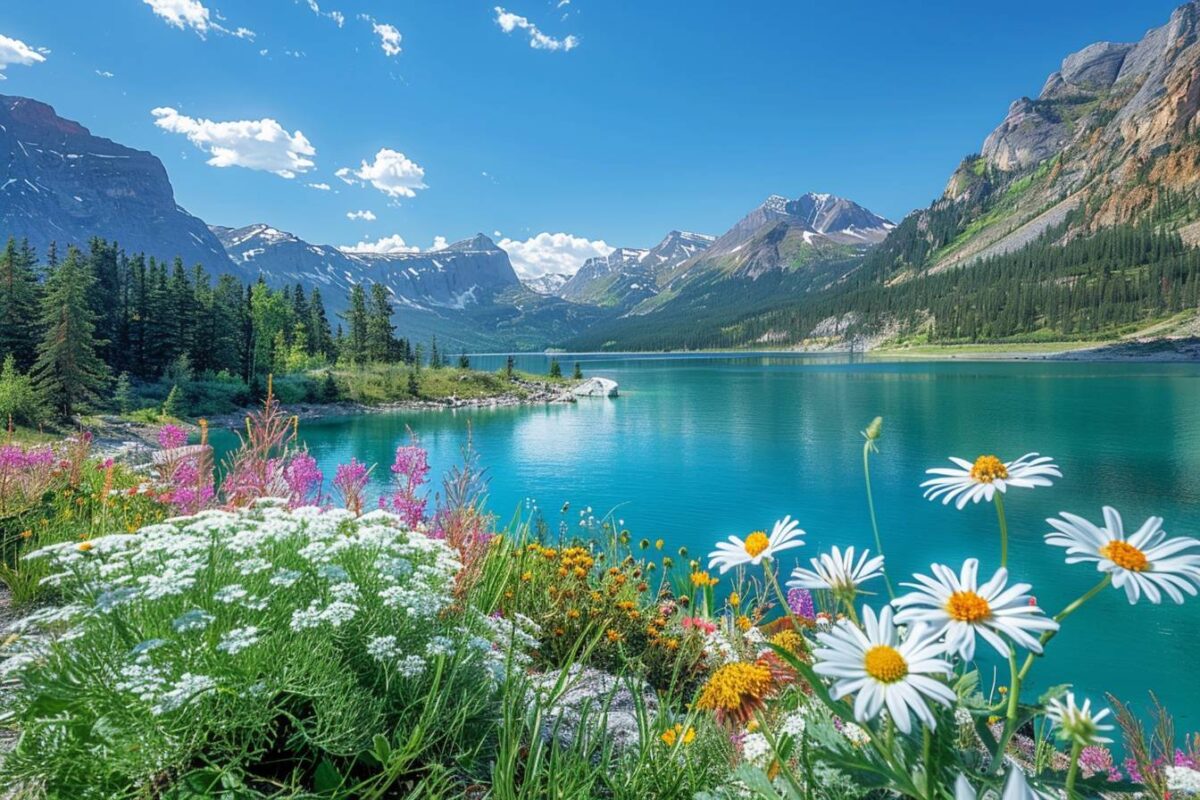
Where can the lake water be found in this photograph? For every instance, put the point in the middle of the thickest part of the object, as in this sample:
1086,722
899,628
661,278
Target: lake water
699,447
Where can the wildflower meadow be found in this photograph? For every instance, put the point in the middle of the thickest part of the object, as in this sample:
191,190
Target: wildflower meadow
258,629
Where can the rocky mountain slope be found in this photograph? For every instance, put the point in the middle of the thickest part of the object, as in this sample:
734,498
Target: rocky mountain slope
627,276
1112,138
60,183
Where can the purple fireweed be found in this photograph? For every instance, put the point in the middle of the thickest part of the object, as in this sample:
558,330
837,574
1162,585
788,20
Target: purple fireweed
350,481
26,473
171,436
1098,760
304,480
410,468
257,469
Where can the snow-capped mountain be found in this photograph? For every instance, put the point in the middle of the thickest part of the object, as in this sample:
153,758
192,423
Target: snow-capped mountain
547,284
627,276
465,273
60,183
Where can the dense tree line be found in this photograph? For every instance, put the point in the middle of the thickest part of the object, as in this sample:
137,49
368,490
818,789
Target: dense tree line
1087,287
72,325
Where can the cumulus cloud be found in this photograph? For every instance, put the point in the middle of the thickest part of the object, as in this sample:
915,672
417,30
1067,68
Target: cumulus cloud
391,172
552,252
538,40
254,144
14,51
320,187
439,243
385,246
365,216
103,73
389,37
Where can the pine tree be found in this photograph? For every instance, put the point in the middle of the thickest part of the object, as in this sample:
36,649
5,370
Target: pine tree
320,336
356,341
435,357
381,333
578,372
68,373
509,366
463,361
555,368
19,305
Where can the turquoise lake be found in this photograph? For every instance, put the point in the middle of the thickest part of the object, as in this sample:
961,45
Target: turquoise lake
699,447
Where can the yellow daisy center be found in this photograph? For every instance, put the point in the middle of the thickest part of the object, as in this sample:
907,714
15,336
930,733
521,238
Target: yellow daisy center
756,543
968,607
1125,556
885,664
988,468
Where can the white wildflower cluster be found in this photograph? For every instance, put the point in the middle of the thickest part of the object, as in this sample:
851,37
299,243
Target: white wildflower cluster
1182,780
507,644
207,590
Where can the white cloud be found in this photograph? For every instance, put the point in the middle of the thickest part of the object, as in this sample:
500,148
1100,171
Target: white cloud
385,246
439,243
552,252
103,73
389,37
254,144
392,173
320,187
14,51
510,22
338,17
365,216
183,14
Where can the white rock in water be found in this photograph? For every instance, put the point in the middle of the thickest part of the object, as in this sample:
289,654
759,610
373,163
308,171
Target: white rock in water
596,387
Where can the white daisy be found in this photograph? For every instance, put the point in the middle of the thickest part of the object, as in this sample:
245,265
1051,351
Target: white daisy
838,571
1015,788
883,670
757,546
1146,562
957,606
973,482
1077,723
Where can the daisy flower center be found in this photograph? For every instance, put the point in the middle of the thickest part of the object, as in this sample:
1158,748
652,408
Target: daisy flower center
756,543
988,468
968,607
885,664
734,684
1125,556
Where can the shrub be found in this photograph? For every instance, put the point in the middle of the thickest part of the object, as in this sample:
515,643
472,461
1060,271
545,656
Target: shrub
251,650
18,398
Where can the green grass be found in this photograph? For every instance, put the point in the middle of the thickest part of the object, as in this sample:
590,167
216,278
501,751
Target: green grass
389,383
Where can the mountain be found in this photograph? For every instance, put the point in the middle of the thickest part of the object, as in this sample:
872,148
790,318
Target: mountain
466,293
547,284
469,272
1111,139
627,276
60,183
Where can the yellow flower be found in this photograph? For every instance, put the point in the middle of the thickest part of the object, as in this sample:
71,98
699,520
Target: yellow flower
744,624
526,577
85,546
789,640
701,579
614,635
573,613
658,544
735,599
679,733
735,691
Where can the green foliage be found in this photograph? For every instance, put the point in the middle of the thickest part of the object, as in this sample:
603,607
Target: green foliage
555,368
123,393
19,401
172,407
325,655
578,373
20,302
68,372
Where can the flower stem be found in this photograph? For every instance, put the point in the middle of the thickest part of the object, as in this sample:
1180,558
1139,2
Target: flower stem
1066,612
779,593
1003,529
1073,772
867,447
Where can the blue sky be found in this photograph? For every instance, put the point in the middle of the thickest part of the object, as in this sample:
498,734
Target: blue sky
631,118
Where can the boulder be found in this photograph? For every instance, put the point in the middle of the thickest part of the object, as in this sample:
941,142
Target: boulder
596,387
593,703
